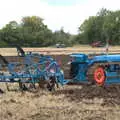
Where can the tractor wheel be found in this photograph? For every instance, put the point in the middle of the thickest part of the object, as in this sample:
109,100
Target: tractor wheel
99,75
96,74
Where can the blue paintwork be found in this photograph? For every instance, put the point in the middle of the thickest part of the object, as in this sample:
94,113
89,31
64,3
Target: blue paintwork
105,58
81,76
37,72
82,64
79,57
112,74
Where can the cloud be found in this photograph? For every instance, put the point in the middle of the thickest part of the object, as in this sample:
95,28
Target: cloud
55,16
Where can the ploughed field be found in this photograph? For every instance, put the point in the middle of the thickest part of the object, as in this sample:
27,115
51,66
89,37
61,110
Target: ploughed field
70,102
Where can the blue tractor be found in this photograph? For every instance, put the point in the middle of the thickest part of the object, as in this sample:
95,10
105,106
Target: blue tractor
100,69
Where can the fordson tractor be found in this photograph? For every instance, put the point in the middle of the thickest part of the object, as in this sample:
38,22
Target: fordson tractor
100,70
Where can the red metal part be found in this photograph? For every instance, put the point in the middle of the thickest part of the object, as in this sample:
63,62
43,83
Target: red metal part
99,76
97,44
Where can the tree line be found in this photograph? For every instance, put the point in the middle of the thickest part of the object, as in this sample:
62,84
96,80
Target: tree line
32,32
105,26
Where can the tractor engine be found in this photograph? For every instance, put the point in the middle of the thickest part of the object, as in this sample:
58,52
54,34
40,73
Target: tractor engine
78,66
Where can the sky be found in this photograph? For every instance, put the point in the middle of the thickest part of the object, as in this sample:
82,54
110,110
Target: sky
57,14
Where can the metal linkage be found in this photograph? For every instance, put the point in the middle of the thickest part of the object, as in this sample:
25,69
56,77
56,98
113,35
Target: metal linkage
35,69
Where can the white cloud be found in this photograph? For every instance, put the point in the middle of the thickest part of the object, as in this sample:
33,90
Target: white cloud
69,17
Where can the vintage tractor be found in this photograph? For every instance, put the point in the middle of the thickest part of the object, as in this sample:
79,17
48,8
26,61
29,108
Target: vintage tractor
100,70
35,69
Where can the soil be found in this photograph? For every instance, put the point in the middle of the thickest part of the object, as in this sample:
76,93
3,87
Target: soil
71,102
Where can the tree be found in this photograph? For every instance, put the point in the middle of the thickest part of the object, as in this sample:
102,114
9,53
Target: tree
35,33
61,37
33,23
102,27
9,33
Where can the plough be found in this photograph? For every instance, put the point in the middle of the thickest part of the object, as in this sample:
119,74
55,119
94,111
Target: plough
36,69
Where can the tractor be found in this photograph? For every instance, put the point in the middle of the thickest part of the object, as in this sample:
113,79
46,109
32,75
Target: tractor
36,68
99,70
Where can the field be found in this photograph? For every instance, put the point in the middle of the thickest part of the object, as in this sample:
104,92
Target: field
70,102
61,51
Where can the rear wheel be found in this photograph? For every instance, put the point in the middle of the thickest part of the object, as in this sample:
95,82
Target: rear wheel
99,76
96,74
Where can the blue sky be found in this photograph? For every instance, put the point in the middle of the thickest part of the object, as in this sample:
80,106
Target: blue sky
68,14
63,2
